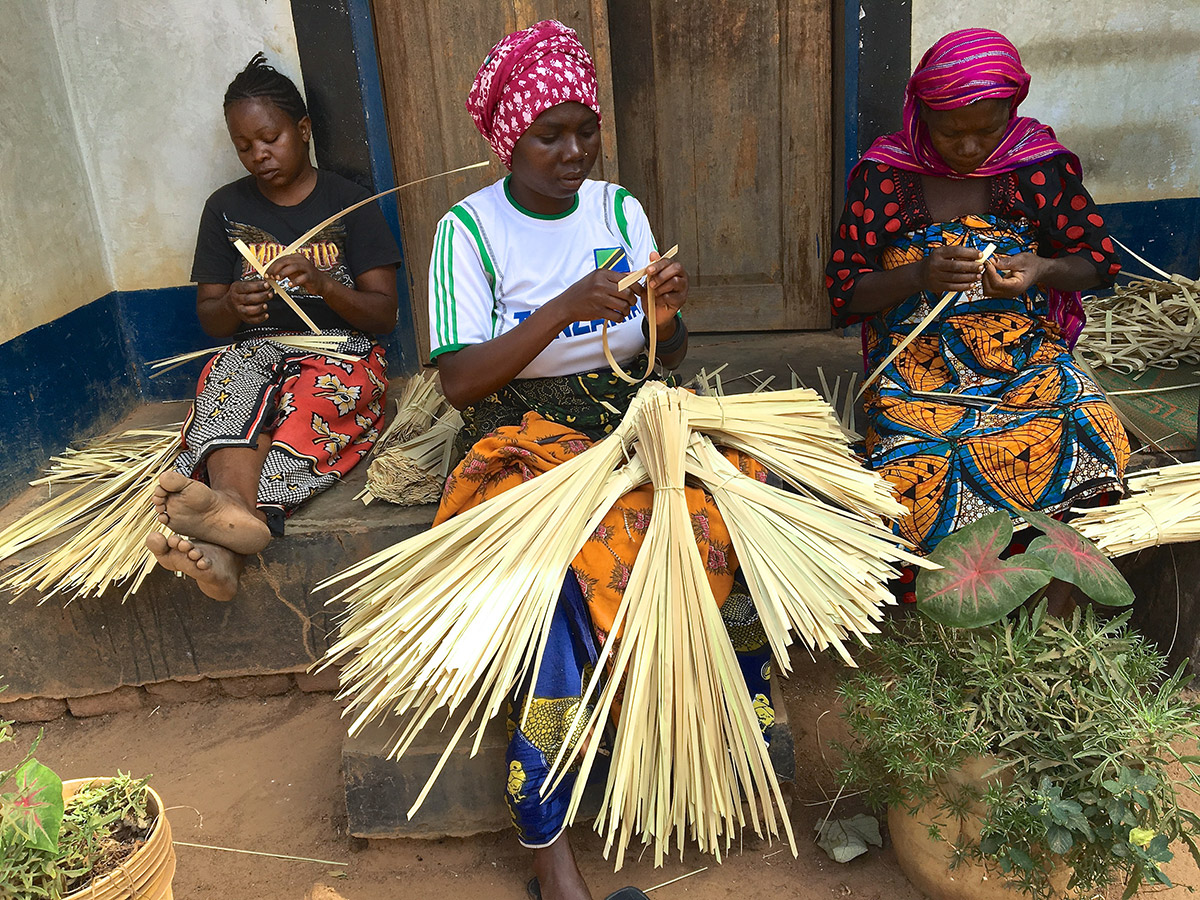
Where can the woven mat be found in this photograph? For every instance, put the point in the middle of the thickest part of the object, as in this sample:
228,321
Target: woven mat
1161,417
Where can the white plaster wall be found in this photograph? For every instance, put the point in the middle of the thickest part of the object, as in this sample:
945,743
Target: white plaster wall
52,249
145,79
1118,80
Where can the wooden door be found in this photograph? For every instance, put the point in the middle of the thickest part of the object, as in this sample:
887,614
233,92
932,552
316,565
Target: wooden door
429,52
724,120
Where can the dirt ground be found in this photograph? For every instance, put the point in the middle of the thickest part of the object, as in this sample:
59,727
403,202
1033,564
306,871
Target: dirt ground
263,775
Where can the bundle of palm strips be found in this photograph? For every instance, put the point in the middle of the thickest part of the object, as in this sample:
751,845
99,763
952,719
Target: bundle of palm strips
411,459
414,471
420,402
447,623
1163,507
100,499
1142,324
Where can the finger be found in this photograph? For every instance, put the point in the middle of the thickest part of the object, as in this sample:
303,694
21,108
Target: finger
961,266
957,251
668,273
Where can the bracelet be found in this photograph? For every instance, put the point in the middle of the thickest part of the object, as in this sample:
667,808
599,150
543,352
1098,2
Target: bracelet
676,340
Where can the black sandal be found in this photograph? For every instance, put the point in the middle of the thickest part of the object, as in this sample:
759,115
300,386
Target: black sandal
534,890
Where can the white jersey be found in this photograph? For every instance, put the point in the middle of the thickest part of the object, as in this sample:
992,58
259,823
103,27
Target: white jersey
495,262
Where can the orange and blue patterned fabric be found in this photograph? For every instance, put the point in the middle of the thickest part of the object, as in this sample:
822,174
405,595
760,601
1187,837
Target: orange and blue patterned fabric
1026,429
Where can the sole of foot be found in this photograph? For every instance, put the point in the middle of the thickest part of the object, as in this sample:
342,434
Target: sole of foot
193,508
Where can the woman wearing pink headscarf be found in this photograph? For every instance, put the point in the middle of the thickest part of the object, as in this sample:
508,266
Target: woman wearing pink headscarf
1017,425
524,275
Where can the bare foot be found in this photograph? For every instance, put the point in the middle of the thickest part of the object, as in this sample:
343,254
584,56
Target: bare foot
195,509
216,569
557,874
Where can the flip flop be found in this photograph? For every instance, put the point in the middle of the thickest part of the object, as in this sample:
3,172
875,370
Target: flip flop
534,890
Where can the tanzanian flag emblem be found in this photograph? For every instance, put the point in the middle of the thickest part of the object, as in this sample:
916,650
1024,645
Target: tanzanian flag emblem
613,258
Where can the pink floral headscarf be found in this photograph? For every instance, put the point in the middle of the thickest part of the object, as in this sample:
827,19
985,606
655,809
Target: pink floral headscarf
523,76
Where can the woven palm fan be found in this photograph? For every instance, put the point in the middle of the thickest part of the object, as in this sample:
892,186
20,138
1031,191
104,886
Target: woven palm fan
100,497
449,622
1163,507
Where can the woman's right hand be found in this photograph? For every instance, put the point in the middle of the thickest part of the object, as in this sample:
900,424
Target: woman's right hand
595,296
248,300
950,269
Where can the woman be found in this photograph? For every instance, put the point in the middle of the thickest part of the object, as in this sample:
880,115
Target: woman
272,426
986,409
524,275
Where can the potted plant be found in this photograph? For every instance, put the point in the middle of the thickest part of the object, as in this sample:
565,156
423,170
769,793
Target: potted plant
1027,749
102,838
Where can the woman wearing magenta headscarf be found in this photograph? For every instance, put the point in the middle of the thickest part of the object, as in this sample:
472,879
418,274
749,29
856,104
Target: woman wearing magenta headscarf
966,170
524,275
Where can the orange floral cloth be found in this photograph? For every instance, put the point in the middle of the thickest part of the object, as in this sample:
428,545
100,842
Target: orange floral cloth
512,455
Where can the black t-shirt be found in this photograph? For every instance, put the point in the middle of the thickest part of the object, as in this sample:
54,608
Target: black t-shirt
350,246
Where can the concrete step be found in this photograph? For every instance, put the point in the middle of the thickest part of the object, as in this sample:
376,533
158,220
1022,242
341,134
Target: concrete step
169,630
468,796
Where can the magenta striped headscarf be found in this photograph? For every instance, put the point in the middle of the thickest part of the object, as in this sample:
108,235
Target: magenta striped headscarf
524,75
965,66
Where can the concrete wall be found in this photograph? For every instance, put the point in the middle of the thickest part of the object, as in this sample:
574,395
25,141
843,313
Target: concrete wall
115,137
53,256
1118,80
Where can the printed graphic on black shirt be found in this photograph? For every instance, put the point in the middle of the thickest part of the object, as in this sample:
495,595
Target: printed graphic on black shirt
326,250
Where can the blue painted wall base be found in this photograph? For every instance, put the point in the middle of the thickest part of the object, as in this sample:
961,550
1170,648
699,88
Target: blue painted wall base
74,378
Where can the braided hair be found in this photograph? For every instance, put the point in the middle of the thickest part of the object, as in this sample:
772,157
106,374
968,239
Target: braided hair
260,81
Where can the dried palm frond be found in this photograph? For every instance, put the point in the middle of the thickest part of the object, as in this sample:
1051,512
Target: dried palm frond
1142,324
325,344
449,622
688,741
104,504
1163,508
420,400
446,615
414,471
797,435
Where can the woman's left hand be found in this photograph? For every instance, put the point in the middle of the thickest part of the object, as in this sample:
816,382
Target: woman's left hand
300,271
670,282
1011,276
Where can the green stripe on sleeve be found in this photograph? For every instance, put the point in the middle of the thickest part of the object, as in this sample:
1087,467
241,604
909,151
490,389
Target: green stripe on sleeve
619,214
443,285
445,348
469,221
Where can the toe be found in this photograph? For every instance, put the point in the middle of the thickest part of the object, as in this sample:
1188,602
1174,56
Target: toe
156,543
173,482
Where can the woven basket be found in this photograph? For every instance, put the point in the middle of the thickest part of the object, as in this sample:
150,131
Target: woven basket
147,874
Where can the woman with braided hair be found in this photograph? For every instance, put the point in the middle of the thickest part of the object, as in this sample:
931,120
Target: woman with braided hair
272,426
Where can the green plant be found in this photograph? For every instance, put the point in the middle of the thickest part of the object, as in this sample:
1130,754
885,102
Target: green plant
1081,721
48,848
975,586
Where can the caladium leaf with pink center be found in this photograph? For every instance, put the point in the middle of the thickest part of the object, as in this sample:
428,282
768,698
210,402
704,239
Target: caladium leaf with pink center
1069,556
34,810
975,586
